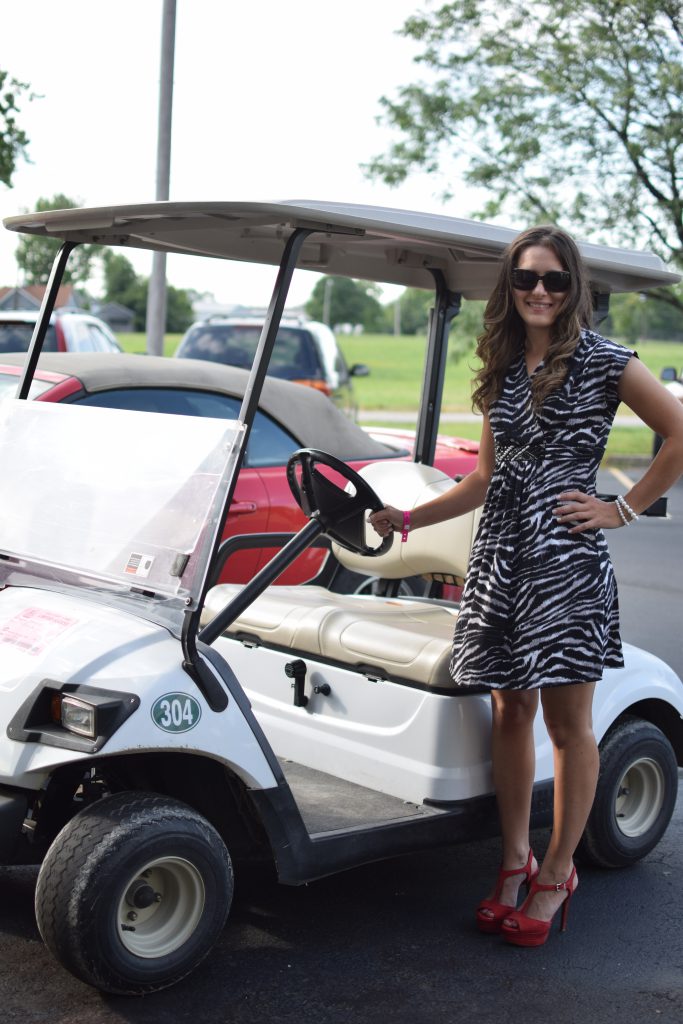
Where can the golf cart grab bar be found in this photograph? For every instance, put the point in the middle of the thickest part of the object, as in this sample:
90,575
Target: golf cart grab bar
248,541
270,572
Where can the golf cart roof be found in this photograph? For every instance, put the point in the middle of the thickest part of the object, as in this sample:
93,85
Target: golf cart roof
367,242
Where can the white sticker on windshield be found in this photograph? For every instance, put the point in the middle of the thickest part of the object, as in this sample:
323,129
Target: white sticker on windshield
139,565
33,629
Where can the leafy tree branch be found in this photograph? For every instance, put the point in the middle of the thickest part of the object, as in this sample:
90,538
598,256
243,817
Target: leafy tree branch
574,116
13,140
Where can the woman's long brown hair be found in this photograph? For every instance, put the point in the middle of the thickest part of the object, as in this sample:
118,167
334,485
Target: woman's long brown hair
504,330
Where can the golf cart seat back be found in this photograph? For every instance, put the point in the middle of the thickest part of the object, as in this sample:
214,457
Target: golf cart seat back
398,639
440,552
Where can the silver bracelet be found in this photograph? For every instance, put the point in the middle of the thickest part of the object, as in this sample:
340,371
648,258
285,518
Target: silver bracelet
625,507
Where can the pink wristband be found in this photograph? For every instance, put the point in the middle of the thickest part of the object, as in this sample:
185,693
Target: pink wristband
406,527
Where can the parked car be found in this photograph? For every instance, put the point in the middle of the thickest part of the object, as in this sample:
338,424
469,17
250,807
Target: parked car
305,352
290,417
673,382
68,332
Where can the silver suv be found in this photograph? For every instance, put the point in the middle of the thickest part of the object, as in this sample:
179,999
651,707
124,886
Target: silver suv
68,332
305,352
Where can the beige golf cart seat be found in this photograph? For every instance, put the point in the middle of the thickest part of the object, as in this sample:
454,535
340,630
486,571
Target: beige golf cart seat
390,638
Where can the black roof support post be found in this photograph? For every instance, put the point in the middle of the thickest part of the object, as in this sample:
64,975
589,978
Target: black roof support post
600,307
247,413
259,368
446,307
40,330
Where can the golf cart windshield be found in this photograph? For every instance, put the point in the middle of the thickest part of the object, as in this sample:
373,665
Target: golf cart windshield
125,505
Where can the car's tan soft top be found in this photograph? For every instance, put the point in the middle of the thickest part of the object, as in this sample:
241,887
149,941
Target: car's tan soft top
304,412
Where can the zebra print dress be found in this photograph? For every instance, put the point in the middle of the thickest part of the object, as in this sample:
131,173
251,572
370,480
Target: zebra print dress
539,607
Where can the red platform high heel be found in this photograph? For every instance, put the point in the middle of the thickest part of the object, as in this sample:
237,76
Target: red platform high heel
491,922
522,930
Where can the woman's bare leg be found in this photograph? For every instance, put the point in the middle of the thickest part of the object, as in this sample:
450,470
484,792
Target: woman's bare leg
513,761
567,712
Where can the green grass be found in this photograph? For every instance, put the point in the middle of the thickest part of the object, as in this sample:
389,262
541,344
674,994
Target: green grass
382,353
396,368
137,343
628,441
658,354
622,440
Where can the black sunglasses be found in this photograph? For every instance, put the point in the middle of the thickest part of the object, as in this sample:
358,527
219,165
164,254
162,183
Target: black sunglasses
553,281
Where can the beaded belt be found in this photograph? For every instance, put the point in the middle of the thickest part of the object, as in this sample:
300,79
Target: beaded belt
537,451
510,451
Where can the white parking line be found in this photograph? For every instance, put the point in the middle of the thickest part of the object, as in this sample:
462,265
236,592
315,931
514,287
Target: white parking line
624,480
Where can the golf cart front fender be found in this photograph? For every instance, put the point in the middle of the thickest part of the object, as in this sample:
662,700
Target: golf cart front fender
56,643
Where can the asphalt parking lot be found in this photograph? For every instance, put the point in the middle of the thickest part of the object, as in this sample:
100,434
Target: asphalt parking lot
396,941
392,941
648,561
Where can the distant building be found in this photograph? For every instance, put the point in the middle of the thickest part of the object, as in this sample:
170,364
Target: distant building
206,307
30,296
120,318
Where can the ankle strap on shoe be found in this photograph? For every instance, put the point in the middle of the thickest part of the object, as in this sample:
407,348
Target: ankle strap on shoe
524,870
557,886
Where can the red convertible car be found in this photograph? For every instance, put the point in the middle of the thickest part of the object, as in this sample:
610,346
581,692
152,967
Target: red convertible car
290,416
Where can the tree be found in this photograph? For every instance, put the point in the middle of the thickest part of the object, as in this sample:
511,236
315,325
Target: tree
35,253
122,284
179,312
350,302
466,328
119,276
415,306
13,141
573,116
633,318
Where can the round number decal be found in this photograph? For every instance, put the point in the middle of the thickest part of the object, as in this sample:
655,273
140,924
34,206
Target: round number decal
176,712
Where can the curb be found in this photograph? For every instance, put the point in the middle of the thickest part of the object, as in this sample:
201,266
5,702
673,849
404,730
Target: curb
401,416
626,461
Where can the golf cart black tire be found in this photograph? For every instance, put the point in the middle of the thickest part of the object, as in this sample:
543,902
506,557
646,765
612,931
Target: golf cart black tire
638,747
92,864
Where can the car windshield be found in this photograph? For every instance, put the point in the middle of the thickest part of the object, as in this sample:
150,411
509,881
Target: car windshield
16,337
138,498
294,355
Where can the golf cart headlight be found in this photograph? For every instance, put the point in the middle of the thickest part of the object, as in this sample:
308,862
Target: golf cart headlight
73,716
79,717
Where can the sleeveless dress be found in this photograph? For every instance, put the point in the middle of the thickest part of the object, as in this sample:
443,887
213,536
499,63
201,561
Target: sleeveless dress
539,607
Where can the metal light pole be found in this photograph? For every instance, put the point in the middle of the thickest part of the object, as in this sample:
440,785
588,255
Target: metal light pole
327,300
156,296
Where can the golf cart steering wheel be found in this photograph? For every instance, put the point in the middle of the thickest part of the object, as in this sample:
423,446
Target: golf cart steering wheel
340,513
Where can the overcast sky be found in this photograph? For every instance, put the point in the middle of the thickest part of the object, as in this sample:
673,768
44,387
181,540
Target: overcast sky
271,101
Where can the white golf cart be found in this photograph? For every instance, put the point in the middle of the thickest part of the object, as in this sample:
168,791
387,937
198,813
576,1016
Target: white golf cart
156,730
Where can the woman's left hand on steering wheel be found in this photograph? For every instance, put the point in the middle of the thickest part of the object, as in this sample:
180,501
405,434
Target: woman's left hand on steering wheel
386,521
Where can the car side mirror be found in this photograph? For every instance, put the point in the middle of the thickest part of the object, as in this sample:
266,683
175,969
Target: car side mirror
359,370
669,373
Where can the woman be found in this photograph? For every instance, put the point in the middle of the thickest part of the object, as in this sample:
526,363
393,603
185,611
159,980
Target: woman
539,610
